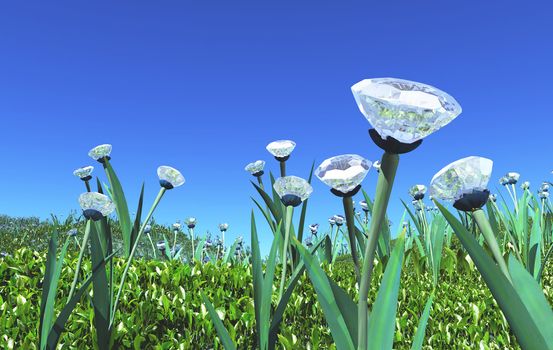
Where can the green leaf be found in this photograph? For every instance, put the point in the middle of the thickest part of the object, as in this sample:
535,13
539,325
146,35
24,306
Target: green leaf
522,325
383,316
531,294
534,251
121,207
100,297
221,330
325,295
421,329
302,214
138,217
257,268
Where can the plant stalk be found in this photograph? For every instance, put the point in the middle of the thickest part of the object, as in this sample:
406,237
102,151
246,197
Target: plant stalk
386,177
484,225
80,260
282,168
350,222
289,210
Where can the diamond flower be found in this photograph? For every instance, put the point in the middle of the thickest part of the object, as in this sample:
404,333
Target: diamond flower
84,172
314,229
405,110
512,178
417,192
147,229
504,181
376,165
169,177
339,220
95,205
292,190
100,152
72,232
463,176
161,245
190,222
331,221
493,197
343,173
176,226
543,194
223,227
544,187
364,205
525,185
256,168
281,148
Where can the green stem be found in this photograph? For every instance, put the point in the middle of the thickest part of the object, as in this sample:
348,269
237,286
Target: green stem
484,225
87,184
282,168
152,243
289,210
386,177
192,235
350,222
129,261
174,239
80,260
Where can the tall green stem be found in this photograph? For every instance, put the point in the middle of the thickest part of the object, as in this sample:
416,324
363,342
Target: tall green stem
133,251
289,210
484,225
350,222
386,177
152,243
192,236
80,260
282,168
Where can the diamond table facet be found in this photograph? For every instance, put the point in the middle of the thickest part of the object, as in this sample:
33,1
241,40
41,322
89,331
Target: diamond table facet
281,148
343,173
461,177
405,110
293,185
96,201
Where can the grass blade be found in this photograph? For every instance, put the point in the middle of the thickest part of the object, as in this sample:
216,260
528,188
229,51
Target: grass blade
100,297
221,330
421,329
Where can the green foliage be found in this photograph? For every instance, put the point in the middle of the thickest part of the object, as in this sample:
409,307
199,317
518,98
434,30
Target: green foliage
163,309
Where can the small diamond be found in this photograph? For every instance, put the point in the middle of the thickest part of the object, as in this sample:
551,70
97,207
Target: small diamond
100,151
255,167
281,148
405,110
339,219
461,177
314,228
147,229
417,191
343,173
364,205
293,185
176,226
331,220
525,185
97,202
512,178
84,171
223,227
72,232
171,176
544,187
190,222
376,165
543,194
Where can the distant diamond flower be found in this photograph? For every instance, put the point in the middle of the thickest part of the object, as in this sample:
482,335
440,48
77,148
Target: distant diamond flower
292,190
100,152
309,242
343,173
544,187
364,205
223,227
493,197
314,228
161,245
464,177
169,177
376,165
339,219
95,205
72,232
84,172
256,168
504,181
331,221
176,226
281,149
543,194
190,222
417,192
405,110
525,185
147,229
512,177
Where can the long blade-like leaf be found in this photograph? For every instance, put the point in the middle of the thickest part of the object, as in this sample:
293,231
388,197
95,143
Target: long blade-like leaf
421,329
221,330
100,297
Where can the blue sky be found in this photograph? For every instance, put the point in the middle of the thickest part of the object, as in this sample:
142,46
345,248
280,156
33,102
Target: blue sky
205,86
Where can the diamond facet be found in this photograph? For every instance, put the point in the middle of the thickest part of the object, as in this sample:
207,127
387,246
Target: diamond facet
343,173
405,110
463,176
293,185
84,171
170,175
97,202
255,167
281,148
100,151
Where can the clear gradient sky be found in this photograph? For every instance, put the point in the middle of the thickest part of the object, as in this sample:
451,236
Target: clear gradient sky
204,86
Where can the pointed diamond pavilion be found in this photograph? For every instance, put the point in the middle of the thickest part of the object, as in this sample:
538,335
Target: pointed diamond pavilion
343,173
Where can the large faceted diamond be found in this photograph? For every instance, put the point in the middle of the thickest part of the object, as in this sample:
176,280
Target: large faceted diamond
100,151
255,167
293,185
405,110
343,173
171,175
96,201
461,177
281,148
